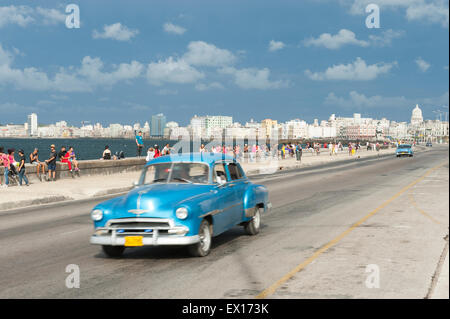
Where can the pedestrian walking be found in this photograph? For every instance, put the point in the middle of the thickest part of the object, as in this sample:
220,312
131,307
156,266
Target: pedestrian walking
4,161
298,152
21,169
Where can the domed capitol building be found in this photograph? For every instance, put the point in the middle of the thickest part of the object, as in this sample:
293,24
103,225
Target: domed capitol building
427,130
416,117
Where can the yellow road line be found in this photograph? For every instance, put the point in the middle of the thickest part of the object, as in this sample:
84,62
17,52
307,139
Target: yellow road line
413,202
270,290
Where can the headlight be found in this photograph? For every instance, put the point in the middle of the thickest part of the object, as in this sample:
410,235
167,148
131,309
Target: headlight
182,213
96,214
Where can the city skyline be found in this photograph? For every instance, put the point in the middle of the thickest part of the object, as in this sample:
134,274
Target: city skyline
219,126
312,60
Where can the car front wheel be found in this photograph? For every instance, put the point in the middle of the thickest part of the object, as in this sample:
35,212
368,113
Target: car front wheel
202,248
113,251
252,227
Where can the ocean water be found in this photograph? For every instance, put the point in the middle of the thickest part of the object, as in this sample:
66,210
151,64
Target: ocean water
85,148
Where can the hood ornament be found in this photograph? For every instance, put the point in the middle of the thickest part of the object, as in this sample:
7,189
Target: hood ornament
138,209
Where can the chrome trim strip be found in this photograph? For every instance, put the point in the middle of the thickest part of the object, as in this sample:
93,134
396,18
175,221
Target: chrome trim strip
147,241
218,211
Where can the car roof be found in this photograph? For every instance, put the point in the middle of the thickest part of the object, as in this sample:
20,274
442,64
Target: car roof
208,158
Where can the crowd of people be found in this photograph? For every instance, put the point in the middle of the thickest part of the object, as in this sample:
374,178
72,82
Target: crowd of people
16,170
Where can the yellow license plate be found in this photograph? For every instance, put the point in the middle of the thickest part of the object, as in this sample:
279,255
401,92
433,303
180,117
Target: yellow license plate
133,241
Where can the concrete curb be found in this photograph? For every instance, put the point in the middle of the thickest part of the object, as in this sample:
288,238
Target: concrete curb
55,199
35,202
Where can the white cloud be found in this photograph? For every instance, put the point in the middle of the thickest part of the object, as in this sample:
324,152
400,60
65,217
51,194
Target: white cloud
50,16
422,64
205,54
71,79
329,41
276,45
386,38
359,100
356,71
174,29
432,11
205,87
172,71
19,15
25,15
252,78
115,31
356,99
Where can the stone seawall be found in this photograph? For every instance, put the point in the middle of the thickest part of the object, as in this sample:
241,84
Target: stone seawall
88,167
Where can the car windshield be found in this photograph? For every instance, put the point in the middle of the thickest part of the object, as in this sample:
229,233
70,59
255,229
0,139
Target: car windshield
176,173
404,146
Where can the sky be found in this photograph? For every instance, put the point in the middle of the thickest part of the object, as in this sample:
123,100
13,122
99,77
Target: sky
254,60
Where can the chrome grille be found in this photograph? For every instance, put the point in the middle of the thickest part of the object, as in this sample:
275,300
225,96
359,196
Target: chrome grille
138,226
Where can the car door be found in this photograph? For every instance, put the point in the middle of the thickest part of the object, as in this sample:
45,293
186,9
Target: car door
238,183
222,214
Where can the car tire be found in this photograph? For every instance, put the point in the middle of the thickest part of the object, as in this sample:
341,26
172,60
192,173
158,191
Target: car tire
203,247
252,227
113,251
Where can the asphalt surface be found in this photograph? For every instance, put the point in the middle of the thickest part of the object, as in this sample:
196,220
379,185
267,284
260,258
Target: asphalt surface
405,239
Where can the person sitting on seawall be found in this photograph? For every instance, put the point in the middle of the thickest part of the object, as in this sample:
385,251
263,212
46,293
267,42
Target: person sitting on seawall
34,160
72,158
119,155
150,154
157,152
106,153
64,157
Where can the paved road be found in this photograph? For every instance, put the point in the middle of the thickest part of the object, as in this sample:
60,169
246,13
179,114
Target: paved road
307,242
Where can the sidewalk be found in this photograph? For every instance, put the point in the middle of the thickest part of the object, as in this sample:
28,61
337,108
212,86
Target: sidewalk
66,189
85,187
309,159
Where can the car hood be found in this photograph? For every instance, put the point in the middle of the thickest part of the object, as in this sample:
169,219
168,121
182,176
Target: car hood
156,200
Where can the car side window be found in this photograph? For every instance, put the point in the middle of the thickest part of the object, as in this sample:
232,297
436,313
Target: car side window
235,173
219,172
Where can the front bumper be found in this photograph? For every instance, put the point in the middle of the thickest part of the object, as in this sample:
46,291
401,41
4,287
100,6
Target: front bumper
146,241
152,232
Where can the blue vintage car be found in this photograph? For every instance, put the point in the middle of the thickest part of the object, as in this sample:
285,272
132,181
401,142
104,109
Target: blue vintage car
183,199
404,150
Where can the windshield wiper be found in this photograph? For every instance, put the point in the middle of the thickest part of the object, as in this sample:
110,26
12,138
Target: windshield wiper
159,180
